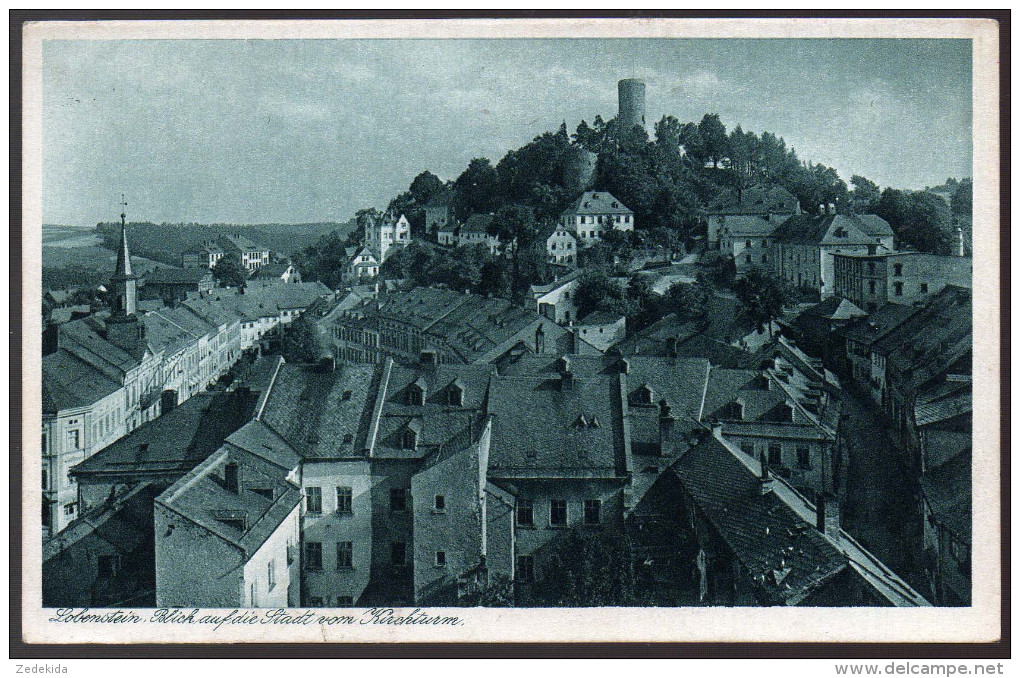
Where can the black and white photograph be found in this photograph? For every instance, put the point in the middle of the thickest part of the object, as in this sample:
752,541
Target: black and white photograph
408,327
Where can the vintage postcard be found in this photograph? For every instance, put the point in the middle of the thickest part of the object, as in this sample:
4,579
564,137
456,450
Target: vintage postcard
501,330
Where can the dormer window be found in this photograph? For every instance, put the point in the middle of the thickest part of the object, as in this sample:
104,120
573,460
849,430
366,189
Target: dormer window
734,411
455,394
416,393
409,436
644,395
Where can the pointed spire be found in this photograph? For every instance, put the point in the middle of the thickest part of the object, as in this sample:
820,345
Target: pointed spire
123,270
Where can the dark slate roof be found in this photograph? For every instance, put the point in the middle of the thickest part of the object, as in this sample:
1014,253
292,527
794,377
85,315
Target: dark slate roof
541,429
811,229
314,411
878,324
934,336
256,437
597,202
754,200
945,407
835,308
244,243
200,496
269,271
787,558
69,382
477,223
948,491
874,225
87,344
600,318
177,441
539,290
124,522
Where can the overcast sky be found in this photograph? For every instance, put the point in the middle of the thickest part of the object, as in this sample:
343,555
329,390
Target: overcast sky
292,131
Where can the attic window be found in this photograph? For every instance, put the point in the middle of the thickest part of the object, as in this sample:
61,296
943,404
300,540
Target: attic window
262,492
348,438
644,395
594,423
582,422
143,447
531,454
455,394
415,395
346,395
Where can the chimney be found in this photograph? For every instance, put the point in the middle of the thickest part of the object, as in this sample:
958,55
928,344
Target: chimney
624,365
961,252
232,478
827,508
566,376
666,421
766,481
429,358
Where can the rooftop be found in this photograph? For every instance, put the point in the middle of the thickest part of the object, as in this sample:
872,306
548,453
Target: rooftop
69,382
948,491
878,324
754,200
177,276
597,202
246,518
477,223
835,308
174,443
825,229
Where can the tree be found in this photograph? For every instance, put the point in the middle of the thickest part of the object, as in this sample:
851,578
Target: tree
426,186
713,136
762,297
688,300
595,291
921,220
516,229
865,196
300,341
477,189
229,271
588,567
963,199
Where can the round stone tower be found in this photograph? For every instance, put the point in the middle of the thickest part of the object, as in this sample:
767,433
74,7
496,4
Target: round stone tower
579,168
632,103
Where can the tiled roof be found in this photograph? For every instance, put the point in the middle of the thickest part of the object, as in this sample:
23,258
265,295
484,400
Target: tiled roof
177,441
878,324
597,202
124,523
810,229
874,225
86,343
316,411
246,519
540,290
835,308
271,271
944,408
69,382
477,223
600,318
243,243
787,557
542,429
948,491
256,437
753,200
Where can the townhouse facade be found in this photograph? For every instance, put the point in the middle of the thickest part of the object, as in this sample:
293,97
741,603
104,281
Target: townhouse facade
594,213
253,256
873,280
384,233
753,213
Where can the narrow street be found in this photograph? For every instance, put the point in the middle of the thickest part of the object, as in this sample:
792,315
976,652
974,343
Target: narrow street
880,507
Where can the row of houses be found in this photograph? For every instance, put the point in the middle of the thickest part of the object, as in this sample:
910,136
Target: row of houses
252,255
914,362
428,482
111,371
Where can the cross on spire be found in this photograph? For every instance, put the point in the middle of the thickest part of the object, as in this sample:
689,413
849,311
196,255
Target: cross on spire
123,209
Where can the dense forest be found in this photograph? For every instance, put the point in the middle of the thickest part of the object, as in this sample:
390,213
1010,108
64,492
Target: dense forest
667,178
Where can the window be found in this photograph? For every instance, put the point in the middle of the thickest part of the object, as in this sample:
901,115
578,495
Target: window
897,270
313,555
315,601
592,511
440,504
871,287
747,243
344,554
525,569
398,551
313,499
803,457
525,512
440,558
74,440
558,512
747,258
45,480
108,566
871,267
398,500
775,455
898,289
344,500
271,574
456,395
45,443
924,288
409,439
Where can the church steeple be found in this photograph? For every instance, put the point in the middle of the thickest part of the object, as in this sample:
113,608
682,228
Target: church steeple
124,280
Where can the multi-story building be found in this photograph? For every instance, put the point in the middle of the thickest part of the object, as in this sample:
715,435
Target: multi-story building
281,272
461,328
560,244
362,265
175,284
601,329
206,256
227,533
873,280
594,213
118,369
555,300
802,247
253,256
475,231
384,233
740,224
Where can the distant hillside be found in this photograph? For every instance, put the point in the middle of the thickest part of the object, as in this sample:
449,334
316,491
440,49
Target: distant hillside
166,242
